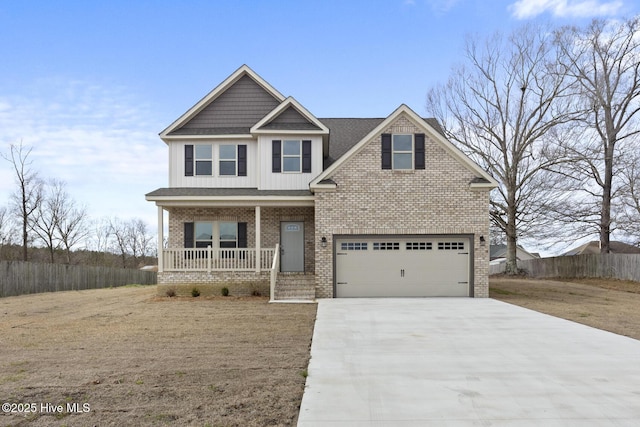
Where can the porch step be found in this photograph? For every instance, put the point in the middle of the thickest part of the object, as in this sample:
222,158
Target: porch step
295,286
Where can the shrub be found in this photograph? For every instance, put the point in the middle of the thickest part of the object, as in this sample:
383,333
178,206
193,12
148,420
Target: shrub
171,292
195,292
225,291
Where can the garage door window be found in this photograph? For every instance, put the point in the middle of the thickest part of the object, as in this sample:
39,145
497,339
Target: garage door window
386,246
450,246
419,246
353,246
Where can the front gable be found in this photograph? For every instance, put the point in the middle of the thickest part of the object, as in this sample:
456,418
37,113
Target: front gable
289,116
232,108
427,142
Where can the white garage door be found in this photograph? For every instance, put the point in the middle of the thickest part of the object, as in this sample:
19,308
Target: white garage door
401,266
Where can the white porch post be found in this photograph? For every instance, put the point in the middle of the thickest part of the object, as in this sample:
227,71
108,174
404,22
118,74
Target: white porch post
160,237
258,251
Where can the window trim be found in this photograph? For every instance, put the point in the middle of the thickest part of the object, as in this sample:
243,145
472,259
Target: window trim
234,160
196,160
220,240
195,235
411,153
292,156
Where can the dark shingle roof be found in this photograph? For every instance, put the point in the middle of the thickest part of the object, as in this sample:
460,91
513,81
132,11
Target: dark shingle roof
225,192
213,131
345,133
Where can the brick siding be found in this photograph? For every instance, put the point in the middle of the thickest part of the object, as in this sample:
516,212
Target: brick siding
369,200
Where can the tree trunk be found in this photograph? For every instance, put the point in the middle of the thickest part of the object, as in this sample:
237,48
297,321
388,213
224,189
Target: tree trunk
605,217
511,267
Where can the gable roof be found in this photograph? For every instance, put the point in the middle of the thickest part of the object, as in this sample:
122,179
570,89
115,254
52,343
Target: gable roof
347,132
500,251
485,180
593,247
232,107
289,116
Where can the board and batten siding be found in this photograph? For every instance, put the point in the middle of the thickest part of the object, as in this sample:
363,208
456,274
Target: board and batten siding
177,176
282,180
259,171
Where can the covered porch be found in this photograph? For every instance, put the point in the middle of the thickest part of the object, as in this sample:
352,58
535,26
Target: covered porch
227,236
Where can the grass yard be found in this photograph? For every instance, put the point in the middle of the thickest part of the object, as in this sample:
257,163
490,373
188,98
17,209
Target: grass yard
612,305
123,357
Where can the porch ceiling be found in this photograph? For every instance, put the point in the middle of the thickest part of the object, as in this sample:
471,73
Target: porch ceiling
230,197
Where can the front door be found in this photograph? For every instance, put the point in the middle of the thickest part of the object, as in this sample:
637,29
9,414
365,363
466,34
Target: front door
292,246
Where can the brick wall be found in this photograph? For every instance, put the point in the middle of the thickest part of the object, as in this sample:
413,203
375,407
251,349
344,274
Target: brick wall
239,283
369,200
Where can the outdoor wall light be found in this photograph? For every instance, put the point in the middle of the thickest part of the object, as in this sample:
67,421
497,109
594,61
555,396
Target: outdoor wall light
482,241
323,242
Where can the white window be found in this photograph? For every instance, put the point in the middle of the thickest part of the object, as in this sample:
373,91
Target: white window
291,156
204,160
228,160
402,151
228,234
203,234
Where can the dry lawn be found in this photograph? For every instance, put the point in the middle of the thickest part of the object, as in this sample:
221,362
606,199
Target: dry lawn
140,360
612,305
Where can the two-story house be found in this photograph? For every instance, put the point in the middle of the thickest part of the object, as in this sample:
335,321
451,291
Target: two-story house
264,197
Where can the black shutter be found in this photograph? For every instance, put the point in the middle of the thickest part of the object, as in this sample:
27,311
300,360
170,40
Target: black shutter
188,235
419,151
276,150
242,234
242,160
386,151
306,156
188,160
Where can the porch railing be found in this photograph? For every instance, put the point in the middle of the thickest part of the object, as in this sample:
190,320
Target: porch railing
217,259
275,267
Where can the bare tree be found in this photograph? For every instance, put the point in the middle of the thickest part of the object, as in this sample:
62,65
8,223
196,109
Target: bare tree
603,59
629,219
139,239
6,229
71,224
507,108
120,237
46,216
28,195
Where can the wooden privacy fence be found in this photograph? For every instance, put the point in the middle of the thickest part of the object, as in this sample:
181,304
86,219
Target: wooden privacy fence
617,266
19,277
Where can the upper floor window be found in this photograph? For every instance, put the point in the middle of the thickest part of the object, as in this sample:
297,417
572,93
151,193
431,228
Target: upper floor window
403,151
204,160
291,156
228,159
231,160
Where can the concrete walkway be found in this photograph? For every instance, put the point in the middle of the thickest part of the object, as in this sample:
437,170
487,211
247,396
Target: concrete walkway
465,362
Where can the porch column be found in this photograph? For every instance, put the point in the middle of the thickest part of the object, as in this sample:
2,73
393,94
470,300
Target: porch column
258,260
160,237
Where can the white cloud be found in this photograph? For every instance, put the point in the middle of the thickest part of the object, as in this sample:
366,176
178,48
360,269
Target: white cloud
523,9
442,6
100,140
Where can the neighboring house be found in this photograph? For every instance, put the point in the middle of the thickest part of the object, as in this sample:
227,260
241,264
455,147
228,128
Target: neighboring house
265,197
500,252
594,248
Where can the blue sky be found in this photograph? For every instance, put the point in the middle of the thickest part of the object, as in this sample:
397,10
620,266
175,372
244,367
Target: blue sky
89,85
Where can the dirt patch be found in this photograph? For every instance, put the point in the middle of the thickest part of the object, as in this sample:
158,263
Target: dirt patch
114,357
611,305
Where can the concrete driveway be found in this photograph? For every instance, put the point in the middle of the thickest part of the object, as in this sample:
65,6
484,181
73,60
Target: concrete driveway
465,362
